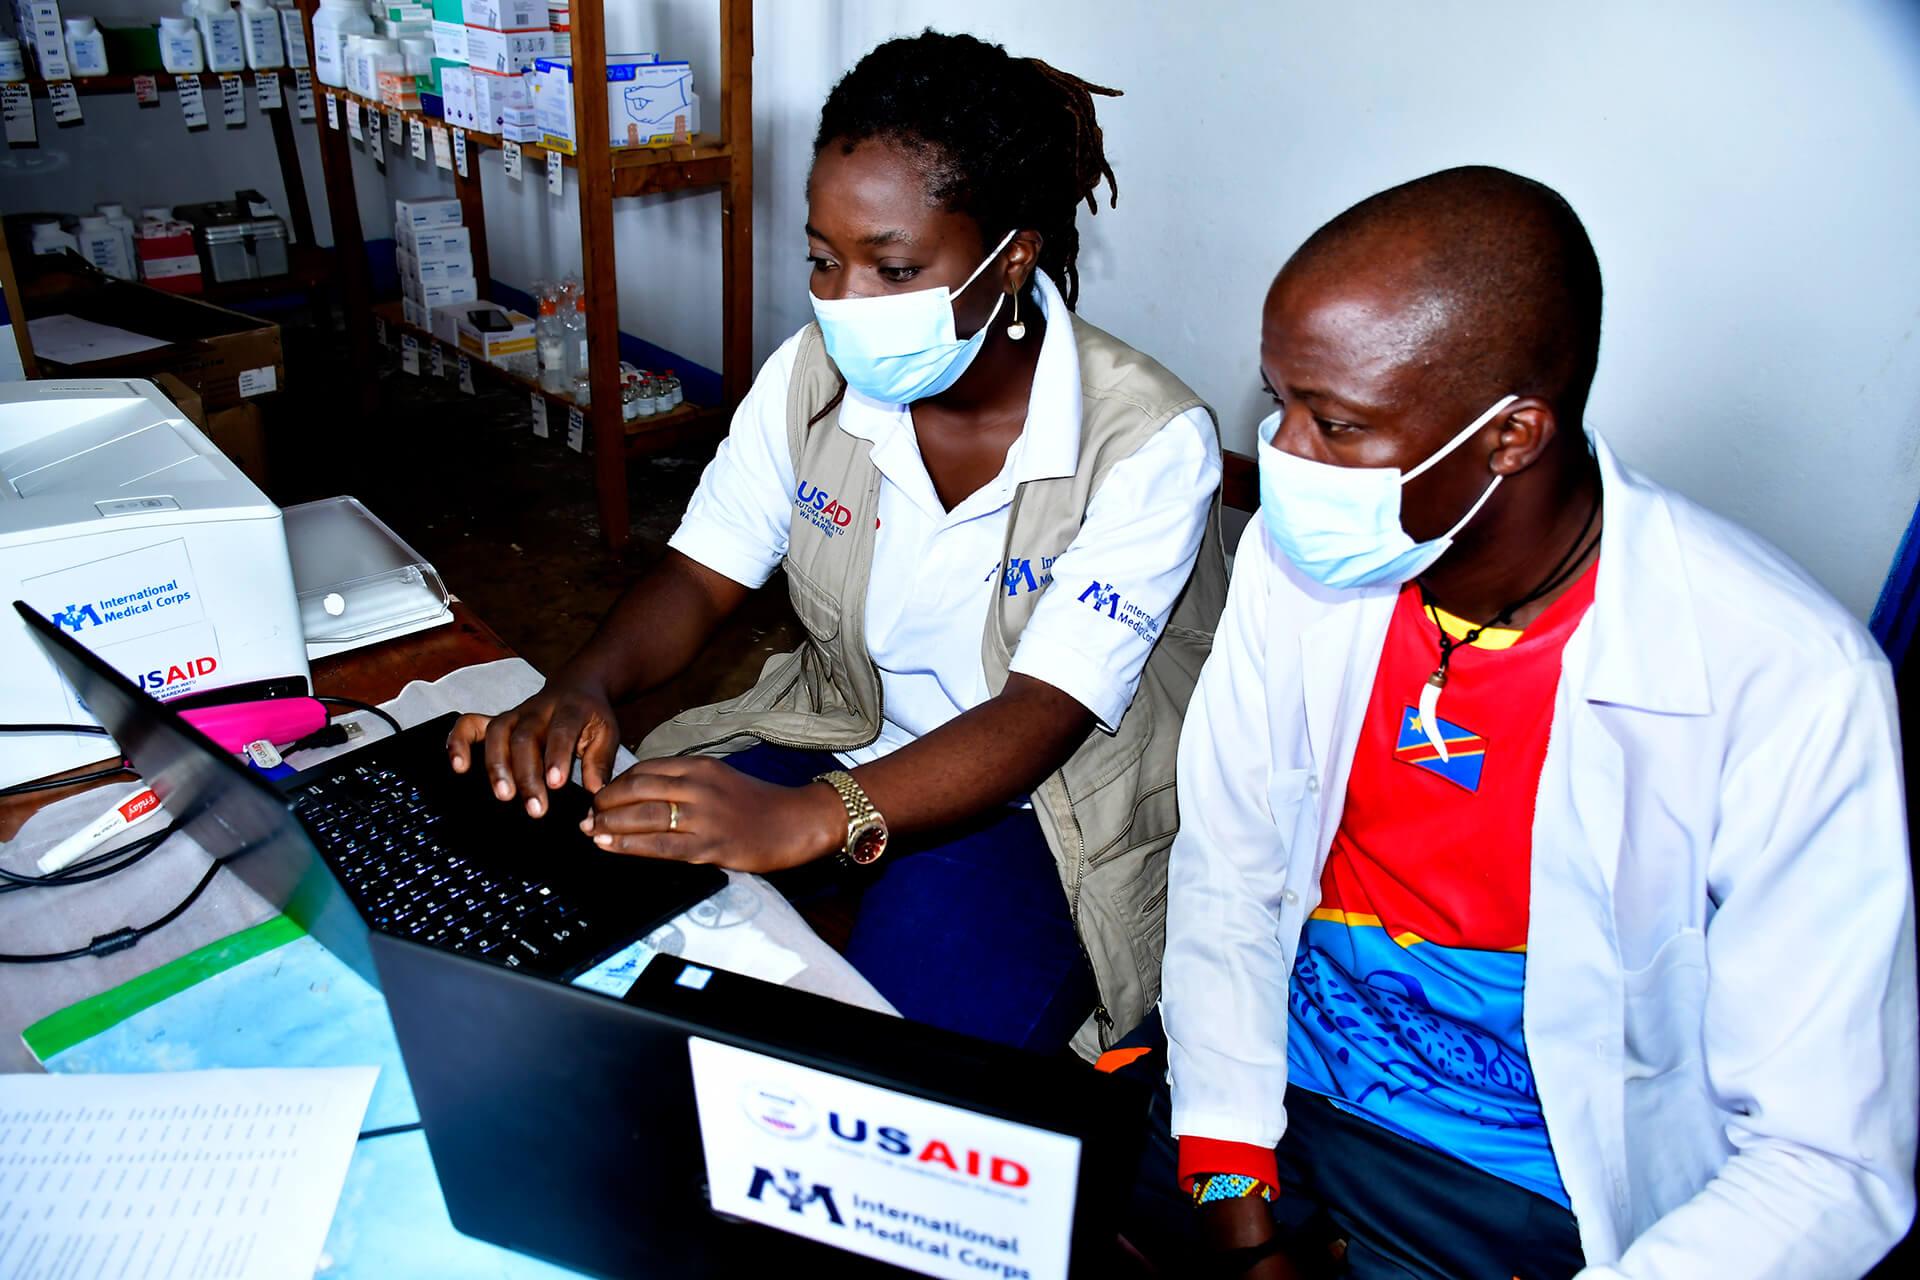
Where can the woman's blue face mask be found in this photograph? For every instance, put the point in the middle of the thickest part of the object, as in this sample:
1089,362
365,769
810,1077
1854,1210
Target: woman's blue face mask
900,347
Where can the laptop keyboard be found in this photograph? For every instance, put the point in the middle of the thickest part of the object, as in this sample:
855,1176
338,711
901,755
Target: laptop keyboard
384,840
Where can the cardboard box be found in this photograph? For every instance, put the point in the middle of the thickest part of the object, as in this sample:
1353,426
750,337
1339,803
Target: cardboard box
415,313
507,52
226,357
428,213
434,242
456,95
504,15
649,103
241,433
516,125
494,348
398,89
495,95
441,292
446,321
450,41
435,270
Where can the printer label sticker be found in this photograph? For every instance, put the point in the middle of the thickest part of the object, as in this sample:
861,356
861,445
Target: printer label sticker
127,597
933,1188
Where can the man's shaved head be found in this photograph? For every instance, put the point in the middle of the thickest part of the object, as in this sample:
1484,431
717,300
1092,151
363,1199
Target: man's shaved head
1497,285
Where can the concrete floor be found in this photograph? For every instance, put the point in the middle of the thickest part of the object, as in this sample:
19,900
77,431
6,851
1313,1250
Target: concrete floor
507,518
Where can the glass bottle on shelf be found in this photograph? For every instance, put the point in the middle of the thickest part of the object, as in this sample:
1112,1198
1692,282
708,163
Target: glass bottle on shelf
549,339
674,394
573,320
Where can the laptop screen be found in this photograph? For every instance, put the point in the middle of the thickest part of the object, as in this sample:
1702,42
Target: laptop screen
226,808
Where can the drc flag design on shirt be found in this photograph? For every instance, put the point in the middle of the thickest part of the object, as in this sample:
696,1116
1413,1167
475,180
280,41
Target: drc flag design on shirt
1466,750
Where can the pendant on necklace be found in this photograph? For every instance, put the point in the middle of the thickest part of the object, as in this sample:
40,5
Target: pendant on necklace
1430,711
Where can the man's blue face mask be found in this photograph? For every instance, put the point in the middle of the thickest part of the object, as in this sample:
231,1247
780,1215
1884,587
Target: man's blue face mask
1341,525
900,347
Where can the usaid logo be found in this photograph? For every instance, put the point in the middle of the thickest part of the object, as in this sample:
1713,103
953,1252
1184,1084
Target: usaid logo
893,1141
821,510
779,1112
1105,598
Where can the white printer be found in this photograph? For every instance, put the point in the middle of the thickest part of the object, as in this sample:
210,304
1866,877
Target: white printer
127,526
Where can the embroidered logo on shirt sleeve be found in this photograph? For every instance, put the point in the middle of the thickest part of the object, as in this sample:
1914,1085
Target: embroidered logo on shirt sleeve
821,510
1106,599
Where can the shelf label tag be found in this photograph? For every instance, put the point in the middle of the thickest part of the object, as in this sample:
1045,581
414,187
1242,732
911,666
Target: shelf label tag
396,126
354,130
442,149
410,354
303,94
66,102
146,91
333,111
233,101
417,139
576,429
556,171
539,415
380,330
460,151
510,157
16,105
466,374
267,85
193,101
374,146
437,361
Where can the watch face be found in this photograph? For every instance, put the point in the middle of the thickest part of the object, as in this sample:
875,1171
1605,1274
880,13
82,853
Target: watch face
867,842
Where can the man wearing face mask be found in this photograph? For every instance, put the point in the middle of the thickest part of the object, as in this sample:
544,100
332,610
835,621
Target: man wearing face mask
1541,902
997,525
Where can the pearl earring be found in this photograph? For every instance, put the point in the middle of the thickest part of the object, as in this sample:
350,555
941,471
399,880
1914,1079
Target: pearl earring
1016,330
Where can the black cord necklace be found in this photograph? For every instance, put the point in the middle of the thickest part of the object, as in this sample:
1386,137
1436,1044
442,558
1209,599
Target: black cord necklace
1561,571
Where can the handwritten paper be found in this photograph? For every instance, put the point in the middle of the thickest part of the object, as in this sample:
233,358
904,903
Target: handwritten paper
193,101
556,173
576,429
333,112
185,1173
65,100
16,105
410,354
466,384
303,94
539,415
233,101
267,85
460,151
442,149
510,159
146,91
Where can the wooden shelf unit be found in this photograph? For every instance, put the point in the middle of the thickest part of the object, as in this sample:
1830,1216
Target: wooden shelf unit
722,161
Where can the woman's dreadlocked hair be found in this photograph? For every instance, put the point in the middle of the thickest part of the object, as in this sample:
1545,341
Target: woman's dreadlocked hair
1010,142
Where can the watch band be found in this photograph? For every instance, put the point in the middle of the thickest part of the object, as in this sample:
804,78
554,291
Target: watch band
866,829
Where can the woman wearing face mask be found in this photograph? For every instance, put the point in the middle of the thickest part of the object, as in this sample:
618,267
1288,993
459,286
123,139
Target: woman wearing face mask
990,515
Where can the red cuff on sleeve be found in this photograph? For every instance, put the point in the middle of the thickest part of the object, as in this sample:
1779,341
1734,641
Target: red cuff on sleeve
1215,1155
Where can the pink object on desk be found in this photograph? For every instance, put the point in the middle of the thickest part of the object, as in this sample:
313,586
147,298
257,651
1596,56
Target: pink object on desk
279,720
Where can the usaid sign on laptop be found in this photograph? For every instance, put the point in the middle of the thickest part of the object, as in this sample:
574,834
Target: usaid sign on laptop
932,1188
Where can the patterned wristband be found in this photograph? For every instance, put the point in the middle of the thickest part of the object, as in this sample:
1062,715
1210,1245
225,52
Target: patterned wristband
1209,1187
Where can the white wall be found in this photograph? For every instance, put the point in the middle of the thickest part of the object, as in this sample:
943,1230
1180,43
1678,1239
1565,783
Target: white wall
1749,171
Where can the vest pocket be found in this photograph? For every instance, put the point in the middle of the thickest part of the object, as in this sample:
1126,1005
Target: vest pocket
817,608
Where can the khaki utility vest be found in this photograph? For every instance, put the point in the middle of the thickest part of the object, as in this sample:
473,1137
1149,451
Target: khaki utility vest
1109,813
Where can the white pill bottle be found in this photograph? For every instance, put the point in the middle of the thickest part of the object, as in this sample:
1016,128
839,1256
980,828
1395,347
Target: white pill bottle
332,24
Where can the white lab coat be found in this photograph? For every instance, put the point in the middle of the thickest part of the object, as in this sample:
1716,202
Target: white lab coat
1719,1006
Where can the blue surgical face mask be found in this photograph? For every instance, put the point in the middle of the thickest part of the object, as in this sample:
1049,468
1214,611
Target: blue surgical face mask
899,347
1341,525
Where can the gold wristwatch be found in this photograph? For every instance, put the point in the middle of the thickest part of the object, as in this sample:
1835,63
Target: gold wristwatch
866,829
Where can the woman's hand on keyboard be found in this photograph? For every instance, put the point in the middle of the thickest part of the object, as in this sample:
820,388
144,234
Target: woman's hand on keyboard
699,809
530,749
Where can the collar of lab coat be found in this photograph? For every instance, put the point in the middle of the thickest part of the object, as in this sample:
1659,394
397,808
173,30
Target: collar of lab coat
1645,650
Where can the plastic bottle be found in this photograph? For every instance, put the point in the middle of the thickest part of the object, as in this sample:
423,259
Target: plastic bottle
573,321
50,237
333,22
180,47
549,340
13,63
220,35
293,33
260,35
86,47
100,244
116,216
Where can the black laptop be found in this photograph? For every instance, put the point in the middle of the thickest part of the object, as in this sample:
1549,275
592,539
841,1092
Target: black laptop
389,838
709,1124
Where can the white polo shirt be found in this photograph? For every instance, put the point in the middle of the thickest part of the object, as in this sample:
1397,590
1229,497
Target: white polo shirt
935,571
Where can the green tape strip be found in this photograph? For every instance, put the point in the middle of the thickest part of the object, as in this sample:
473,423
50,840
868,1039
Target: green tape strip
58,1032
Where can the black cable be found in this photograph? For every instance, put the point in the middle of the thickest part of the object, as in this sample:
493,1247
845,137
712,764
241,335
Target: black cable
390,1129
120,939
54,784
53,728
361,706
83,871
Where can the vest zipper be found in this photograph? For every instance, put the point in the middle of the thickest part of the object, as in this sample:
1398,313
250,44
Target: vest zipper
1100,1014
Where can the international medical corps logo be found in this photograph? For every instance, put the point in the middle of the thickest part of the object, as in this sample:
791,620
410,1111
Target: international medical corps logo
1105,598
796,1192
76,616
